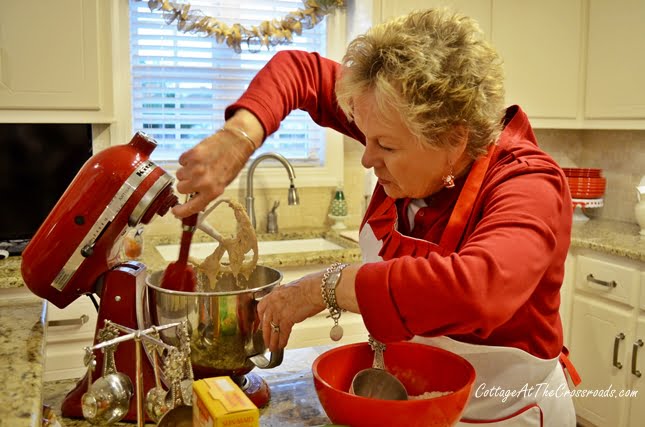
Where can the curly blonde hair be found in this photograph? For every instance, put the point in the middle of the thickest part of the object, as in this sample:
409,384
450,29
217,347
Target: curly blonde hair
436,69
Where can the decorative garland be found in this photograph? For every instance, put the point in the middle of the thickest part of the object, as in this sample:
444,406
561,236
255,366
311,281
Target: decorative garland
267,33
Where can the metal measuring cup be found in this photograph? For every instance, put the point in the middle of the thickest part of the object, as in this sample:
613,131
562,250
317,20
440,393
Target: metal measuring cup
107,399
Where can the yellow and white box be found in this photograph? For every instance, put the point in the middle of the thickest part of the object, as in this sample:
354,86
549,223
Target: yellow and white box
219,402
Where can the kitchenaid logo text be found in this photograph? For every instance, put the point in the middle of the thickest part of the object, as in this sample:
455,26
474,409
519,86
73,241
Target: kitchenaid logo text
542,390
144,168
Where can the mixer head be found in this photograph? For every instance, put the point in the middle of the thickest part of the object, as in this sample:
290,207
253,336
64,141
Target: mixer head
116,188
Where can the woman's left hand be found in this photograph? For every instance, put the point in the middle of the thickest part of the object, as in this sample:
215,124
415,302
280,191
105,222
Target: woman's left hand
287,305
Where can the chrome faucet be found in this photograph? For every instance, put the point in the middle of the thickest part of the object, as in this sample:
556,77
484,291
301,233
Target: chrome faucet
292,199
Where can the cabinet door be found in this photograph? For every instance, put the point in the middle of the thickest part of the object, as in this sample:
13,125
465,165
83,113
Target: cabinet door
608,278
594,328
69,331
616,60
476,9
641,300
637,384
540,43
49,55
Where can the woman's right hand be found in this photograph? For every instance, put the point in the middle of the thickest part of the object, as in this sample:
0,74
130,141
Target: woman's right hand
208,167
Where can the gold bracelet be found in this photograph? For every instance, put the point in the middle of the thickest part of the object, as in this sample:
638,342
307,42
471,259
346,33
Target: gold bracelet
328,290
245,135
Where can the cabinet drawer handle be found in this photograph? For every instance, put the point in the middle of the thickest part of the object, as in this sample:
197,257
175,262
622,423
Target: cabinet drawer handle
70,322
638,343
617,340
611,284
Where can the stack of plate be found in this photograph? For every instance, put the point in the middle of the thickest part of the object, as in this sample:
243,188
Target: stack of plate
585,183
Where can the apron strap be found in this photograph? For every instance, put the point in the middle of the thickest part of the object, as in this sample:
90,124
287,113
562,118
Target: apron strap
569,368
466,202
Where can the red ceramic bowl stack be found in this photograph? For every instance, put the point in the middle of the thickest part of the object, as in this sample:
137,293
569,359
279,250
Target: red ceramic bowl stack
585,183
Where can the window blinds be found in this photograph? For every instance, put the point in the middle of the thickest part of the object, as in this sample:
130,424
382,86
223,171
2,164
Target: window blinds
182,82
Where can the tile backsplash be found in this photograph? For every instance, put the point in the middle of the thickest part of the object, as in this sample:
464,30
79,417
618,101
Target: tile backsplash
621,155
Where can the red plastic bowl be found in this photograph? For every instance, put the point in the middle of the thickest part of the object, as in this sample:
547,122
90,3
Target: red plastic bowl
421,368
586,181
587,195
582,172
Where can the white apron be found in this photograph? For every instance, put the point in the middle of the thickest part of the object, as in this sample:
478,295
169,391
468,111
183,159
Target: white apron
501,370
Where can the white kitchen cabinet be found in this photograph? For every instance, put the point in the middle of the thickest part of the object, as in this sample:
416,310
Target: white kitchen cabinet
541,67
479,10
56,58
641,300
608,278
572,64
637,382
607,321
595,337
69,331
615,60
540,43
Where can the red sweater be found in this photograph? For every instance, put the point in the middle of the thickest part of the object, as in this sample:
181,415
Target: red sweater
502,285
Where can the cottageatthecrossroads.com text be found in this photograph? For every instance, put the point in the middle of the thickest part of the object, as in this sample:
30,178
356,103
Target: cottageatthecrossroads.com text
544,390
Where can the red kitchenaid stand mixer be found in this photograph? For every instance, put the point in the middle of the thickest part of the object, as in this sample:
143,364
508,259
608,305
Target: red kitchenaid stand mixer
73,253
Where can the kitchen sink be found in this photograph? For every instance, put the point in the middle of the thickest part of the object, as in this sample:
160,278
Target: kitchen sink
265,247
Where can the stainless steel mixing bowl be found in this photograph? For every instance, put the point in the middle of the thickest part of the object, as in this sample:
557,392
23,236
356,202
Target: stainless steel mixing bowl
223,326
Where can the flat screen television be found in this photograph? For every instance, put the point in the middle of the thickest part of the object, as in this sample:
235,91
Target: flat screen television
37,164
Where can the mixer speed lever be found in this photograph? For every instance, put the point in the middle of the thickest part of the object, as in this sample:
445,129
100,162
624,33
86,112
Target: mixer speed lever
88,250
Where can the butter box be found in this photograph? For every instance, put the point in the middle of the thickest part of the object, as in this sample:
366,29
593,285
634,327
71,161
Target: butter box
219,402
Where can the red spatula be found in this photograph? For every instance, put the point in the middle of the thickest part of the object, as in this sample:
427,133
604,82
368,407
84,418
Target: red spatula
179,275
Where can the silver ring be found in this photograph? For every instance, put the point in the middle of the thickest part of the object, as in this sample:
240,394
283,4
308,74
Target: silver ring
275,328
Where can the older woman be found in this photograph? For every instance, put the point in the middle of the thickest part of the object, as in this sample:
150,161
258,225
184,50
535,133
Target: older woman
466,235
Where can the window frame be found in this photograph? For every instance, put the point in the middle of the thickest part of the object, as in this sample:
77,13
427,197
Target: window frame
266,175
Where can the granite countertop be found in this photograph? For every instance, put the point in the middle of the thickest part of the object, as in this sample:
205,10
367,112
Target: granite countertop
22,351
293,402
10,276
610,237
